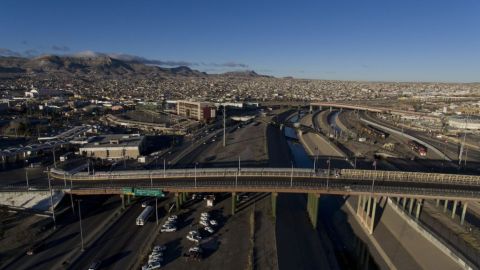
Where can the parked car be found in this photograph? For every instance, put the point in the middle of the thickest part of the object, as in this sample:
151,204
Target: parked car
209,229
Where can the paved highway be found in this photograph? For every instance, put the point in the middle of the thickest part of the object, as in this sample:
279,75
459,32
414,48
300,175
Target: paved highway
118,248
67,236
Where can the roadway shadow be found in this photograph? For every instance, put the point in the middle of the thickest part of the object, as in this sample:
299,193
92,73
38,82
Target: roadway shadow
173,251
209,246
114,258
52,243
333,224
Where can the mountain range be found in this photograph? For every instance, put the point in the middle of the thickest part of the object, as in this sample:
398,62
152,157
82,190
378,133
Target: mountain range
98,65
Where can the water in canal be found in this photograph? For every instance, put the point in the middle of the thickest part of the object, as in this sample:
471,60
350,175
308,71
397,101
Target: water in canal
350,251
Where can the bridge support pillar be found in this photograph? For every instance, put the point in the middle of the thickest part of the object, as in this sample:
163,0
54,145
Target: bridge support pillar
330,108
312,208
419,207
464,210
454,209
445,206
178,202
274,204
437,203
123,201
234,202
128,199
410,206
404,202
359,204
372,220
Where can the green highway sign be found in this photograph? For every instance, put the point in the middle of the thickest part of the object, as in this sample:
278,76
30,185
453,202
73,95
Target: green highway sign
127,191
148,192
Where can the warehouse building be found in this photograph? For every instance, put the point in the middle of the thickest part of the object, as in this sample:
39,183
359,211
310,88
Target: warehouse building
114,146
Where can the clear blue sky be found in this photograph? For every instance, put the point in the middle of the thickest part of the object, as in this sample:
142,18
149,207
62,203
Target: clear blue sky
404,40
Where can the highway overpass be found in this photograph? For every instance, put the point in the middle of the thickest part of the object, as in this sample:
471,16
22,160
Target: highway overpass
287,180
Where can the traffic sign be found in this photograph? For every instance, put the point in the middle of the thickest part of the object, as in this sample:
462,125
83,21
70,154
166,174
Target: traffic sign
148,192
127,191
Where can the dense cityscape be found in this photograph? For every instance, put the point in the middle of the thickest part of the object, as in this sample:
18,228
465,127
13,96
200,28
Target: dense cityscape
357,151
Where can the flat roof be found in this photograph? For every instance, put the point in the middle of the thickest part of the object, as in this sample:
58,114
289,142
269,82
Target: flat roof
124,140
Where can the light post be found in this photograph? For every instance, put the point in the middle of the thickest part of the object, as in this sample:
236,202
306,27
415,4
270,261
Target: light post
328,172
164,169
54,161
51,200
71,196
195,175
291,176
80,221
26,179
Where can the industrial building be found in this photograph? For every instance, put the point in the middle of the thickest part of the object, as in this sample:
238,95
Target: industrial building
461,122
201,111
114,146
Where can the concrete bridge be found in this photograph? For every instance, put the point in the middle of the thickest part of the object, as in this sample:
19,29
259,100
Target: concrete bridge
409,188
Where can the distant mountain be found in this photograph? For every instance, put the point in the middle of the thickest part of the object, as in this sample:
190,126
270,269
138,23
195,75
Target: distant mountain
243,73
100,65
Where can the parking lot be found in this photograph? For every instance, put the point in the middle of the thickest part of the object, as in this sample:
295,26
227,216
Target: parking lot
227,248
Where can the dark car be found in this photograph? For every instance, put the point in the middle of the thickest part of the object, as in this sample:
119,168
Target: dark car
95,265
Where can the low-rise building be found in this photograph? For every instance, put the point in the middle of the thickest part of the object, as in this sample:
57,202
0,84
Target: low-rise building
201,111
114,146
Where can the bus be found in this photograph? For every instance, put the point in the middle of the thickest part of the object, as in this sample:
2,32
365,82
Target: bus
143,217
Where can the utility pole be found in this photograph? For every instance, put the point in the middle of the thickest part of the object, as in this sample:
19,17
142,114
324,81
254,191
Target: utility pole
26,178
224,127
51,200
54,161
81,229
291,176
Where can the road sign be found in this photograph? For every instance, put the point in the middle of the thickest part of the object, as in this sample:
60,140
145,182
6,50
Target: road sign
148,192
127,191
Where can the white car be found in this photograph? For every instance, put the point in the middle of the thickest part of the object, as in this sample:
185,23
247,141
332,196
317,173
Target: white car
168,229
205,214
213,222
195,249
209,229
144,204
159,248
194,238
204,218
156,254
172,218
154,265
204,222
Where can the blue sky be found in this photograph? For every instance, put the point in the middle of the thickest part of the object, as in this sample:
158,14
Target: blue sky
404,40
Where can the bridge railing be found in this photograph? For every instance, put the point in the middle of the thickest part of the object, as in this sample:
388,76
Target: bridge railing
415,177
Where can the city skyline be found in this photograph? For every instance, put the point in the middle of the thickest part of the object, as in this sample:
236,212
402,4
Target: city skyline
374,41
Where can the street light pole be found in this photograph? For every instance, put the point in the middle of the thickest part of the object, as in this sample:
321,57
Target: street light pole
164,169
54,161
26,179
224,127
51,200
195,175
291,176
81,228
71,196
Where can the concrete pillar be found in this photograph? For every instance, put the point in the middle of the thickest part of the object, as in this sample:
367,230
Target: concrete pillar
368,210
123,200
359,204
177,201
274,204
454,209
464,210
128,199
445,206
234,202
364,205
410,207
404,202
419,207
372,220
438,203
312,208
